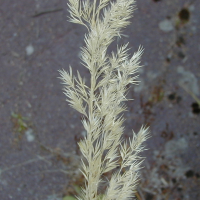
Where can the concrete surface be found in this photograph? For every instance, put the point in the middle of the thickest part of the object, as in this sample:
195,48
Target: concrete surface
39,157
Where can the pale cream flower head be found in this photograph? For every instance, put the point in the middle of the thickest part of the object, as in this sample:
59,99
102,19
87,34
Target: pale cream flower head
102,102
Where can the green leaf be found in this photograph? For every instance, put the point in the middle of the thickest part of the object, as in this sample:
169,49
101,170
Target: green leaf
69,198
77,189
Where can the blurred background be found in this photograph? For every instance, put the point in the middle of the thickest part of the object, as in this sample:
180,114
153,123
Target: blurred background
39,156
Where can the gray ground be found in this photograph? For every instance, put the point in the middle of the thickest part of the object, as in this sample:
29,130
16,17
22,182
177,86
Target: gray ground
39,157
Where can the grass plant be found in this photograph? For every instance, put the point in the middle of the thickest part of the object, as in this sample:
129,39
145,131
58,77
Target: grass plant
102,102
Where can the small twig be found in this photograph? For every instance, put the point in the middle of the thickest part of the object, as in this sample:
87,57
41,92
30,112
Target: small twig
39,158
138,196
54,171
46,12
191,94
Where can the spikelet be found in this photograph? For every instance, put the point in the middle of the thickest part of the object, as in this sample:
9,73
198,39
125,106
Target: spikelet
102,102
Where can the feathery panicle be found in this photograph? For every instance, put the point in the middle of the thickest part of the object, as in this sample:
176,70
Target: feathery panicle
102,102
